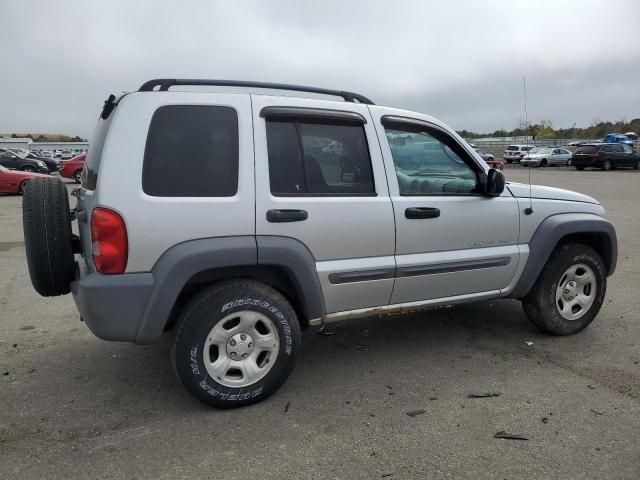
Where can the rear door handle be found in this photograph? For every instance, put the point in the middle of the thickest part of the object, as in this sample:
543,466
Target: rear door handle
285,215
421,212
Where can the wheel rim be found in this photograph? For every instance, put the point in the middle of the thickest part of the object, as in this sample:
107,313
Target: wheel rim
607,165
78,177
241,349
28,169
576,291
22,185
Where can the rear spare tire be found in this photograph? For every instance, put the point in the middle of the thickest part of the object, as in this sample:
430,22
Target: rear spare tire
47,236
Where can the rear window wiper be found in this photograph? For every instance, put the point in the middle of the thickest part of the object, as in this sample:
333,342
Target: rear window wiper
109,105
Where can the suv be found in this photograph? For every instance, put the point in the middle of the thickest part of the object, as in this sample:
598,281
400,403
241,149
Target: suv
13,161
514,153
235,220
52,164
607,156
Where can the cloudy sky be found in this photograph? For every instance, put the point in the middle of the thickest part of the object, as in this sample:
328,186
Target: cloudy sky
461,61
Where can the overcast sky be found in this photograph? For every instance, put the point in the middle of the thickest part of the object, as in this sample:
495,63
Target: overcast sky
461,61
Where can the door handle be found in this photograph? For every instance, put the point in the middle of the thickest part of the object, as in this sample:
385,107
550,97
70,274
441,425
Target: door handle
421,212
285,215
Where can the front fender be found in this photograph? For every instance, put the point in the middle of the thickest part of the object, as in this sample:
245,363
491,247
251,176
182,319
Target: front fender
552,231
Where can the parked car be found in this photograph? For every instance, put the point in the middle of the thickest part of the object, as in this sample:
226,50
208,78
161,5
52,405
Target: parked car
606,156
546,156
617,138
57,153
247,240
46,154
52,164
513,153
489,159
13,161
73,168
66,155
14,181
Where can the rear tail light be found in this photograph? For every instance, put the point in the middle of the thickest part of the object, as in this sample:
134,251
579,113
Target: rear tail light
108,241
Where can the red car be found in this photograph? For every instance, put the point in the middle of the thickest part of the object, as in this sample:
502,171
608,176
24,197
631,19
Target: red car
13,181
73,168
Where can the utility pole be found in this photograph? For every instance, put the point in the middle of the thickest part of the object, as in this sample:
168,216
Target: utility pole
526,120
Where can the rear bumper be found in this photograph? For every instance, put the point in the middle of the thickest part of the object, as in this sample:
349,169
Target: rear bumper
576,162
113,306
533,162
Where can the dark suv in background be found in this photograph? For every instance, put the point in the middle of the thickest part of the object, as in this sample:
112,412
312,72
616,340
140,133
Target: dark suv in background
606,156
13,161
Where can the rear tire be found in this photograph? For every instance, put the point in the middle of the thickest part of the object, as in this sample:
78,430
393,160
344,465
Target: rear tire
569,292
235,343
543,162
47,236
580,169
636,166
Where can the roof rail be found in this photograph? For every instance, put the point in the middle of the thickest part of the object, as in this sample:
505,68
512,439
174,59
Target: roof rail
163,84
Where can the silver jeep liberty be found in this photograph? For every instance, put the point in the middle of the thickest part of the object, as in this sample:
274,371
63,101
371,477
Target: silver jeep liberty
235,217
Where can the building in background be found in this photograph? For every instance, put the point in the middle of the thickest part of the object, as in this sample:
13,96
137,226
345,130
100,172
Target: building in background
28,144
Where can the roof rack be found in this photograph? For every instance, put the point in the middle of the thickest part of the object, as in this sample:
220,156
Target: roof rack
163,84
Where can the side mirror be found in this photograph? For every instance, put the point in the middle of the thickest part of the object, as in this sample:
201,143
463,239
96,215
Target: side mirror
495,183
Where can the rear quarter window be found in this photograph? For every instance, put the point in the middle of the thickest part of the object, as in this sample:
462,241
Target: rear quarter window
586,149
191,151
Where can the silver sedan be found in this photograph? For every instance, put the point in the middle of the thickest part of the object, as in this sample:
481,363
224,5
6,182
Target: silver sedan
546,156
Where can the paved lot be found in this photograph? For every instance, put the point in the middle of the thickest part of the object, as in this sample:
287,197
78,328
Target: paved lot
73,406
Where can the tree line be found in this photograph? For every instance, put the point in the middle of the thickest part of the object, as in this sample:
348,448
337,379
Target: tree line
48,137
545,130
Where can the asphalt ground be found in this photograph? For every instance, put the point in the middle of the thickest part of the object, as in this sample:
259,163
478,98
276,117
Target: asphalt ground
73,406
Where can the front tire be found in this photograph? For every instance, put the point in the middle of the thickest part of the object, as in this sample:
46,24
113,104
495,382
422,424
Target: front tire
606,166
235,343
580,169
543,162
569,292
28,169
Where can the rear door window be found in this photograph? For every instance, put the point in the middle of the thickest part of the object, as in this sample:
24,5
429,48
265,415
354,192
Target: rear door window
318,158
192,151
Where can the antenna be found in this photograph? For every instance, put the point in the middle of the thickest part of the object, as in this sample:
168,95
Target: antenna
529,209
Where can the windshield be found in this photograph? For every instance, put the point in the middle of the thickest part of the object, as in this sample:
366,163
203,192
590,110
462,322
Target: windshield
19,152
